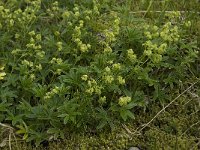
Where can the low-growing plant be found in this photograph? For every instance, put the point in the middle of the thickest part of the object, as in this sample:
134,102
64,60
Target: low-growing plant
65,68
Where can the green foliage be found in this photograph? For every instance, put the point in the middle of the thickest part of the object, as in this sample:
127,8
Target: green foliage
72,65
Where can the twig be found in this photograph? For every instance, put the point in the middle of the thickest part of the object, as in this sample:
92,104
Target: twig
144,11
15,141
145,125
11,129
10,147
190,127
195,145
194,95
6,126
150,4
127,129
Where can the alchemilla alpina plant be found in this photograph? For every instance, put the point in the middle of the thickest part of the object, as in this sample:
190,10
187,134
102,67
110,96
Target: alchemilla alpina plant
63,69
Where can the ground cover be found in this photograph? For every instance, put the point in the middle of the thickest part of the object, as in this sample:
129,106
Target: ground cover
99,74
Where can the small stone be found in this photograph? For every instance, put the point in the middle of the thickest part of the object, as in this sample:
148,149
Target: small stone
133,148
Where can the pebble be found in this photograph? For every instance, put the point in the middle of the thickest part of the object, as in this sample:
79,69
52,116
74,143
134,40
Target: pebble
133,148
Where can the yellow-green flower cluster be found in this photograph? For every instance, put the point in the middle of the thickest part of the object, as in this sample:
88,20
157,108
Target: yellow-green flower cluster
35,39
29,14
32,77
84,77
115,24
152,48
27,63
131,56
159,39
10,17
66,14
56,61
77,38
173,14
38,67
151,32
59,46
102,100
2,73
76,11
188,24
58,71
110,36
108,79
121,80
107,49
107,76
110,62
107,70
55,6
116,27
162,48
57,33
169,33
87,14
52,92
116,66
124,100
31,65
93,87
95,8
7,17
153,51
15,51
53,10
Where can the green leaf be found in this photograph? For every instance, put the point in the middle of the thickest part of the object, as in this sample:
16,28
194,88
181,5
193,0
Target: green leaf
130,114
101,124
62,115
4,106
123,114
131,105
66,119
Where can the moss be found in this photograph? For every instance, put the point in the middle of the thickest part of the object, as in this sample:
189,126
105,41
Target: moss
176,128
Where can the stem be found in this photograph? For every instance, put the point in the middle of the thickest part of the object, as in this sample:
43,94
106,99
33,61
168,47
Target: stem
148,8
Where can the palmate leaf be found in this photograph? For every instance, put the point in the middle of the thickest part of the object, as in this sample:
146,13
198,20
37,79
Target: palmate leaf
23,129
15,118
102,124
39,90
125,114
69,111
66,119
4,106
131,105
37,136
6,94
11,79
139,98
130,114
104,118
25,82
71,79
56,132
